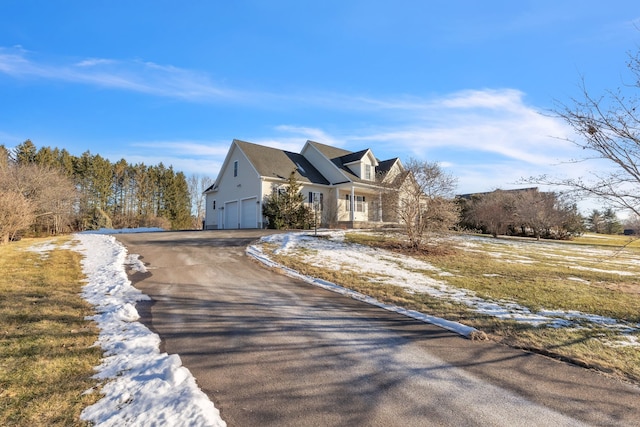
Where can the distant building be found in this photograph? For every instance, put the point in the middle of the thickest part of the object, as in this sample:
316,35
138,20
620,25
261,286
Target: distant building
469,196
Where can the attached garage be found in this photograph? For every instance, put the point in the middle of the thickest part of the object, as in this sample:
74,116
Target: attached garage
231,215
249,213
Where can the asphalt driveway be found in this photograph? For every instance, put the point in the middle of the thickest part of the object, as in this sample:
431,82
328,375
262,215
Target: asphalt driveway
270,350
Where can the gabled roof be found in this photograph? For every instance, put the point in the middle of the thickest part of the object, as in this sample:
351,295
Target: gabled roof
328,151
351,157
341,158
275,163
384,166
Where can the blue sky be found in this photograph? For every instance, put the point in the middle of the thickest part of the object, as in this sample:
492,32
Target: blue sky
465,83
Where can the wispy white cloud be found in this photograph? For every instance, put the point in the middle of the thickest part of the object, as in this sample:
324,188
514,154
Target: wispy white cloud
138,76
498,122
196,165
491,133
186,148
304,133
90,62
487,138
187,156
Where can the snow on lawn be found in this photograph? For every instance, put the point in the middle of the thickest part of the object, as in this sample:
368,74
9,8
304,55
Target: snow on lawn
141,386
389,268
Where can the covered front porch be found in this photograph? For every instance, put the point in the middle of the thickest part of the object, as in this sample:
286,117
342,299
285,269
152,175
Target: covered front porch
362,207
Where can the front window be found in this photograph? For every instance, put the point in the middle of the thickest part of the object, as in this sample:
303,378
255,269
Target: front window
358,205
367,172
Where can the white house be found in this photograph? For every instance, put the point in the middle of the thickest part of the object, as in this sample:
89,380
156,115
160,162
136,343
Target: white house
347,187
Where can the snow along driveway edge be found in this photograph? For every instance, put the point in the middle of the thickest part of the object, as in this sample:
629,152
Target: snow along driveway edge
140,385
256,252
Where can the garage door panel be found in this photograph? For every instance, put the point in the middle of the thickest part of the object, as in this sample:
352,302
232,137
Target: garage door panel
249,212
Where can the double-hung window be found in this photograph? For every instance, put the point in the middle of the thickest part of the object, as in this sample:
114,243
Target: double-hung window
358,205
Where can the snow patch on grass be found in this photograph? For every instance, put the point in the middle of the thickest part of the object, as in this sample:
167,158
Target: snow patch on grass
386,267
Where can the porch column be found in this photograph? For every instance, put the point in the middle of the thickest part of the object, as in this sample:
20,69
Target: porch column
380,206
353,202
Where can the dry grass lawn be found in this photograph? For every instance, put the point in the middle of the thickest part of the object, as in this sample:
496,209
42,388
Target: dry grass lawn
46,345
598,275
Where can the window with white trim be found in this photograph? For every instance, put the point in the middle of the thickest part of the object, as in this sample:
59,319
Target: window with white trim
359,203
235,168
367,172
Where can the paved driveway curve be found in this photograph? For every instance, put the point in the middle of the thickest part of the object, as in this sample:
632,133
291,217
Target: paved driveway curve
273,351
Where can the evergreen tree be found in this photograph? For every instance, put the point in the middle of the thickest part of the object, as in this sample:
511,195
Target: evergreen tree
25,153
285,208
101,180
611,223
595,222
46,157
105,194
178,201
65,161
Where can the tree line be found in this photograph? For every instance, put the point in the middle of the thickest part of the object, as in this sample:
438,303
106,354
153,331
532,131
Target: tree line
526,212
50,191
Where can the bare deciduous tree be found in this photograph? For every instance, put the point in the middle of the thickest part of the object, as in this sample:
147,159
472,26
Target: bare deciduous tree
608,127
536,211
49,192
197,184
494,212
16,214
330,209
524,212
424,201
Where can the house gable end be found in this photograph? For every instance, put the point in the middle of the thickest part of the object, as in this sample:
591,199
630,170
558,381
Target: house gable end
388,170
235,153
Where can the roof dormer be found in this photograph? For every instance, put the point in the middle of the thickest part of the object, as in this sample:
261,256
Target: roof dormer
363,164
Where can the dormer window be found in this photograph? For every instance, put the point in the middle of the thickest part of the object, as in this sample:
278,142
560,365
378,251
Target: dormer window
367,172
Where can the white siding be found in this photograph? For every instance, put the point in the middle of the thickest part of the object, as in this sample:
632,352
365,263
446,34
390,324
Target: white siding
247,184
211,214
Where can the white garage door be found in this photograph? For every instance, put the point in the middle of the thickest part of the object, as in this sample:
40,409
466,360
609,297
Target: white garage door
231,215
249,213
